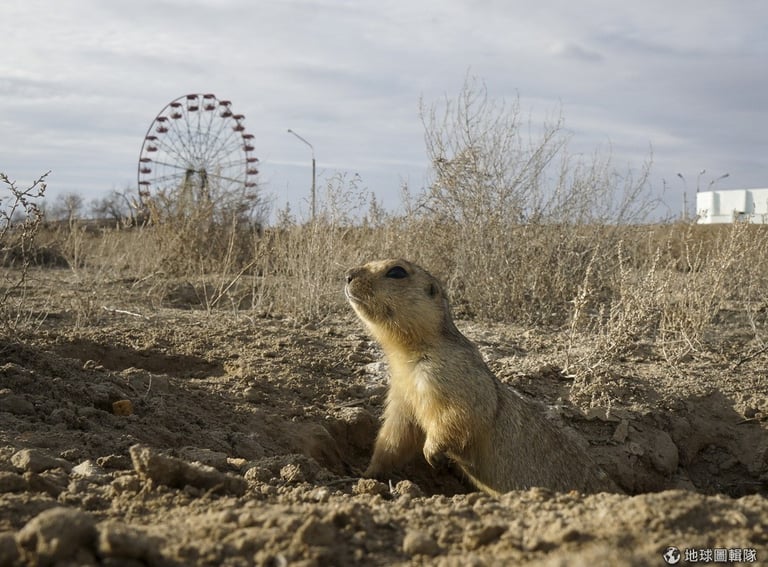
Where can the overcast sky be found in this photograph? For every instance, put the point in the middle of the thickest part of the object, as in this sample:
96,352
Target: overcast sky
82,80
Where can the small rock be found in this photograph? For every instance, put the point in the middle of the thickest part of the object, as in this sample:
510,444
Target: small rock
370,486
90,471
170,471
290,468
237,462
122,408
258,473
35,461
299,468
57,534
419,543
621,432
663,453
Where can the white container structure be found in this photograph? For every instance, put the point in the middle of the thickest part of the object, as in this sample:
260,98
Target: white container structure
732,205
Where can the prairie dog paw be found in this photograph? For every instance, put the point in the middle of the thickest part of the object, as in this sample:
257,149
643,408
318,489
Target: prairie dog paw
434,454
377,470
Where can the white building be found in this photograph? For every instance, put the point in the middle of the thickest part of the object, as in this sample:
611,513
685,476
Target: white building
732,204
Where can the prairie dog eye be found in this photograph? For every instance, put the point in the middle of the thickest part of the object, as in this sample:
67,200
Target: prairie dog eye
396,272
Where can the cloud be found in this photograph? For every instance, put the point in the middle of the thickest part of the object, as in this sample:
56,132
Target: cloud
571,50
81,85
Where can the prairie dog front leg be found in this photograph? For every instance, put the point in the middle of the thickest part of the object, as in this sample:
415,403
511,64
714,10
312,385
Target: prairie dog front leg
399,439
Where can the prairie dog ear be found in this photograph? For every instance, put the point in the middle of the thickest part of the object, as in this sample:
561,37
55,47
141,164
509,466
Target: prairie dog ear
433,290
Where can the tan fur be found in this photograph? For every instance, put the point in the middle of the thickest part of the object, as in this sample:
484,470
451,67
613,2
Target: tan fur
444,400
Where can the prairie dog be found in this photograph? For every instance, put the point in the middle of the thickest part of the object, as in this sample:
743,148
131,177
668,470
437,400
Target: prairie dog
444,400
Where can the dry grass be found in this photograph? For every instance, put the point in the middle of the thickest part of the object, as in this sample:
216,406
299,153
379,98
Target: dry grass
615,291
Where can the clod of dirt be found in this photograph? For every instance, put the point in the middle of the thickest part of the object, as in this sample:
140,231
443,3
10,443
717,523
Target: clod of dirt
173,472
420,543
407,488
288,468
370,486
52,482
57,535
293,473
116,540
35,461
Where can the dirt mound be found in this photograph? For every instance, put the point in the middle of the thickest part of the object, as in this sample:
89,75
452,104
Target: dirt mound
194,439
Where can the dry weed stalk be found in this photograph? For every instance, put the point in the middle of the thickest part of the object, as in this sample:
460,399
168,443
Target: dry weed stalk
730,267
20,222
301,263
631,316
516,209
579,311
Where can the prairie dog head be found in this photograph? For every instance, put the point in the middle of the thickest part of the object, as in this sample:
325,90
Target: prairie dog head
402,304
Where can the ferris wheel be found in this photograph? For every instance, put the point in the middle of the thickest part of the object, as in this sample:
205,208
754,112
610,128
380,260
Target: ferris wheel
198,145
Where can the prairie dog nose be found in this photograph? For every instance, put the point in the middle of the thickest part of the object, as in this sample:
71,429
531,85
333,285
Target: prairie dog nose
352,274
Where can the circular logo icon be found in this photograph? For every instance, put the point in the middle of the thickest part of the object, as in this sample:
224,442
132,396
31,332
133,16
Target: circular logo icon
671,555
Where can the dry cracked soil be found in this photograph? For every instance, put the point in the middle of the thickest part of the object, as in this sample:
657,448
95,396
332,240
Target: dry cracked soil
173,437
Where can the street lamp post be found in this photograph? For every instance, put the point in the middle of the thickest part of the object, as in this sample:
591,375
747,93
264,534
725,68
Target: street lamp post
313,169
711,183
698,179
685,196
